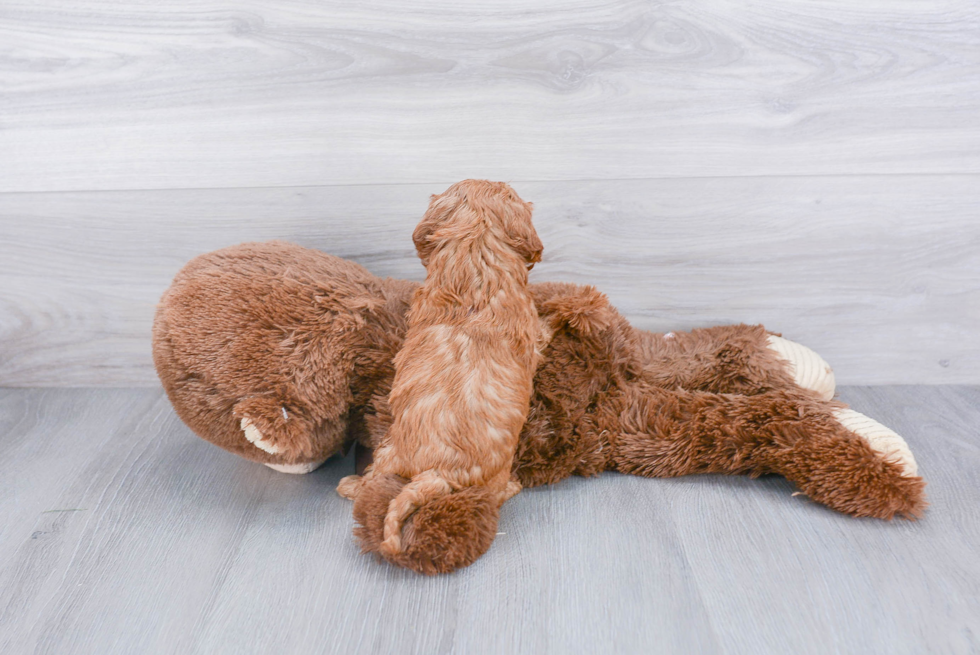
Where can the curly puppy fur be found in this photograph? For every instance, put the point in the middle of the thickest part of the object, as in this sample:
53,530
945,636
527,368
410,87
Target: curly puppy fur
319,335
455,529
463,374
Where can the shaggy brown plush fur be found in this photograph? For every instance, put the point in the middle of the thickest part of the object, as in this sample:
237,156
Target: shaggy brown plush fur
259,328
317,335
463,374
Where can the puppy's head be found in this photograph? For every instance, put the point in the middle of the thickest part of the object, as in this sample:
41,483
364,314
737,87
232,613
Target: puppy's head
472,208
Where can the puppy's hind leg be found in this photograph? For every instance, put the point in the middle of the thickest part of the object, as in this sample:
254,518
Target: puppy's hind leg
423,488
511,489
350,486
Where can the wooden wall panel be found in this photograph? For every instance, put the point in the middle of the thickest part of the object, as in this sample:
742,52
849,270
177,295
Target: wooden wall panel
134,95
880,274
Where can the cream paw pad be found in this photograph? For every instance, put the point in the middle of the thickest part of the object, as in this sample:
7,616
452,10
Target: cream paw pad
884,441
256,439
809,369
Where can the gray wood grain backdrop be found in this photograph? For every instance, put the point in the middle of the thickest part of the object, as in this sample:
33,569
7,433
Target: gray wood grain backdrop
222,93
814,166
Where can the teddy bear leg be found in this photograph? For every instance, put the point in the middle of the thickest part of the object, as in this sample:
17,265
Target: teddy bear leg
742,359
673,433
884,441
856,466
809,370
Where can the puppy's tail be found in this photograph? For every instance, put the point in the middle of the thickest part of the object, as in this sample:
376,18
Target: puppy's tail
423,488
443,535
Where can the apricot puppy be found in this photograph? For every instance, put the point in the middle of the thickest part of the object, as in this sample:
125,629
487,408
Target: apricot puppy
463,377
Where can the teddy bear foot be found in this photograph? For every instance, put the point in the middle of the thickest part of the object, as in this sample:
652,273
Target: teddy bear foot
809,370
256,438
882,440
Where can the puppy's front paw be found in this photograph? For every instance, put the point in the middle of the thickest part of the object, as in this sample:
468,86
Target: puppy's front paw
882,440
256,438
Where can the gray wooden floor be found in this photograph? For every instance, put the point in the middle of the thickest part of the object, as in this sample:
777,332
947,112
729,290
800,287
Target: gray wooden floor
124,533
881,277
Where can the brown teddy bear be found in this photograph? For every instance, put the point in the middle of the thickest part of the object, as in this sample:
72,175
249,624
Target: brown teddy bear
283,355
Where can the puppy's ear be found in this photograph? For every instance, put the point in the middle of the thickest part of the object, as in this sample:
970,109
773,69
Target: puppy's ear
522,236
440,207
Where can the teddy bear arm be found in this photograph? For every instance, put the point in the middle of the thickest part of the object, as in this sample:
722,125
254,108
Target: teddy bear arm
283,428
